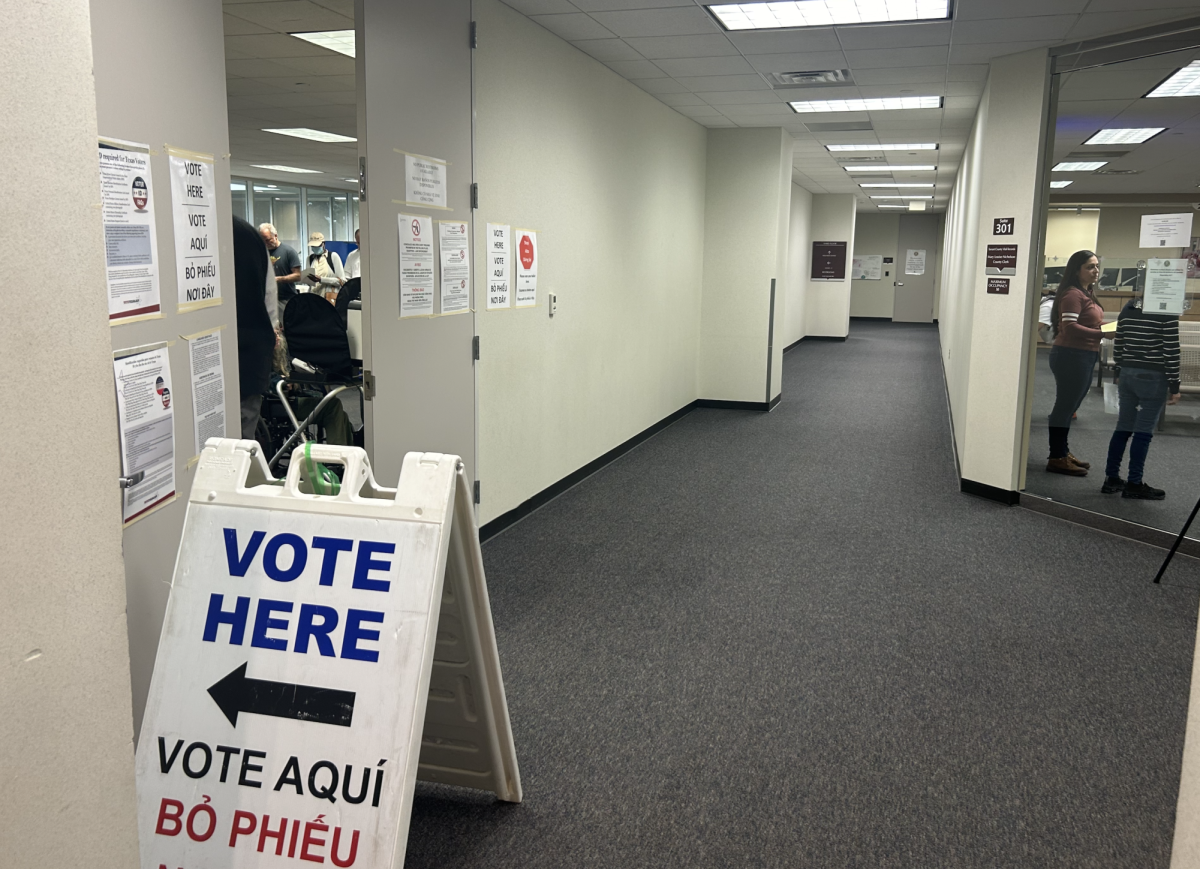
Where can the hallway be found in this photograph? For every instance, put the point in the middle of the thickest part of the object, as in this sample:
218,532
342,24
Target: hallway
788,640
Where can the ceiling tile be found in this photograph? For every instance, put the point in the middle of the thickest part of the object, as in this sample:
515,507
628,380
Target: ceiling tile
256,67
734,98
240,27
904,75
290,16
1108,83
273,45
892,57
676,100
1046,28
605,50
973,10
1102,23
635,69
797,62
976,53
572,26
786,41
612,5
334,64
542,7
968,101
702,45
762,111
1123,5
705,66
699,83
967,72
895,35
342,7
674,21
661,86
964,88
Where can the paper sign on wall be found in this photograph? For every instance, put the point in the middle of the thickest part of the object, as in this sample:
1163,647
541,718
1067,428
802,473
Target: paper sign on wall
914,262
424,181
147,425
208,387
130,243
1166,286
416,265
867,268
194,210
498,292
527,268
1166,230
456,266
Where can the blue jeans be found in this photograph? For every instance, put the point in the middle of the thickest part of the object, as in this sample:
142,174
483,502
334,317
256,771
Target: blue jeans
1143,393
1072,370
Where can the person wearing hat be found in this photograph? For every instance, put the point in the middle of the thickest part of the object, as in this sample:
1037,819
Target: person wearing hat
324,271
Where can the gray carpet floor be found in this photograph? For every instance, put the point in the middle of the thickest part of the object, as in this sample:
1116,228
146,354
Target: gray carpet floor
787,640
1173,463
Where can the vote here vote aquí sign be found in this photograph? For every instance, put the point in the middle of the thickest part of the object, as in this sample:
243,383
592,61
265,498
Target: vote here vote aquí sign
286,708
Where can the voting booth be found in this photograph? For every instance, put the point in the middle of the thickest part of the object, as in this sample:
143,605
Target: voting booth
320,653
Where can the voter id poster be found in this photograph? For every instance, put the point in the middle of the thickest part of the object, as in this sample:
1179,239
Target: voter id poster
146,415
194,212
285,692
130,248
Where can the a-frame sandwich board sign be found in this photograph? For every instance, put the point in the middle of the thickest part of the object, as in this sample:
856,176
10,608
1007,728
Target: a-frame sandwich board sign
320,653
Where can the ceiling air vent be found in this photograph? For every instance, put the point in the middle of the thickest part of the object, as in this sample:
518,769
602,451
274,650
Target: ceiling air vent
817,78
863,159
1096,155
1118,171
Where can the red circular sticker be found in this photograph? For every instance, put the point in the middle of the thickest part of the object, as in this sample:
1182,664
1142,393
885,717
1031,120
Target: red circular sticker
416,228
526,250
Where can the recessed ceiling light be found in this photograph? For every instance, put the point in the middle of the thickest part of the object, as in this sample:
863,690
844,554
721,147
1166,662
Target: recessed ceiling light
905,207
1182,83
341,41
873,104
895,185
902,197
928,146
1059,185
1087,166
890,168
1125,136
825,13
288,169
314,135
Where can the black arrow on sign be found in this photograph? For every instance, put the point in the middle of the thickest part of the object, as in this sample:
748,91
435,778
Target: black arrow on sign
235,693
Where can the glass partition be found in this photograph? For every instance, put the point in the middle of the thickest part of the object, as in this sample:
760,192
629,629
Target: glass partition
332,212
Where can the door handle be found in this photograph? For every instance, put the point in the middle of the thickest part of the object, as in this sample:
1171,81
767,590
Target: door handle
899,283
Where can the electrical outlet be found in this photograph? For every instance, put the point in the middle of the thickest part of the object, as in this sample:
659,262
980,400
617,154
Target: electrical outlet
553,303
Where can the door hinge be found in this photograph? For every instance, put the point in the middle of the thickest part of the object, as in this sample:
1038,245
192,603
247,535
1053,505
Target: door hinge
368,385
474,34
474,194
475,348
476,491
362,179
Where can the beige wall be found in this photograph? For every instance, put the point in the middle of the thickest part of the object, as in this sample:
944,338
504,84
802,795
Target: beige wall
66,761
877,234
1069,231
799,260
614,182
1120,230
827,312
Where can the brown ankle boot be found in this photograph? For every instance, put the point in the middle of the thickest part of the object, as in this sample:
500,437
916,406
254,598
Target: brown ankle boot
1084,465
1064,465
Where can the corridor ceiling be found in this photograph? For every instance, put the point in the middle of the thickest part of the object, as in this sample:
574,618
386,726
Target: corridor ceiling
677,52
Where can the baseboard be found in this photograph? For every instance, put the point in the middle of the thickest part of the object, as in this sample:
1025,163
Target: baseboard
717,404
823,338
1110,524
992,493
879,319
793,345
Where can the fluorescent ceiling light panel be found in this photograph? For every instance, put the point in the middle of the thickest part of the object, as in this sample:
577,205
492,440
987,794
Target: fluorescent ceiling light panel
341,41
314,135
824,13
895,185
1124,136
1086,166
288,169
1182,83
905,207
927,146
1059,185
902,197
873,104
890,168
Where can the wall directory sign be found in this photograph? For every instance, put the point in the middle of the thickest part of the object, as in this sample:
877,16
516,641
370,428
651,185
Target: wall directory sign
866,268
130,240
1001,259
828,261
1166,286
1166,230
1004,225
194,208
320,653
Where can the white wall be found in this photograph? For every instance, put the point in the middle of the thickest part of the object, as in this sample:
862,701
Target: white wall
799,259
985,338
66,733
876,234
746,213
614,182
1069,231
827,311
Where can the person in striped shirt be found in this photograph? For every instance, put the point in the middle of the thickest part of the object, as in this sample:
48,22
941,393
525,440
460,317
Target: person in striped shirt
1146,353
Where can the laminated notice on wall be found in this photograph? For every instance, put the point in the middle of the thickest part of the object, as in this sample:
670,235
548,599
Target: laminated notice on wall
914,262
147,425
1166,286
424,181
1165,230
456,266
499,293
416,265
194,210
130,248
208,387
867,268
527,267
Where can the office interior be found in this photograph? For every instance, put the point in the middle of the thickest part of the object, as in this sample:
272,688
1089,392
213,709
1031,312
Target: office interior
678,196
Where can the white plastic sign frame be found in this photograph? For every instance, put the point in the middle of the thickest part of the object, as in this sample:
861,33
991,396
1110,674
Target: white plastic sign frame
319,655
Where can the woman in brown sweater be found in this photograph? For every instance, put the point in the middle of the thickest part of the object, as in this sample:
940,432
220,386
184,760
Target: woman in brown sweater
1076,319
